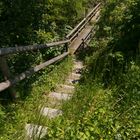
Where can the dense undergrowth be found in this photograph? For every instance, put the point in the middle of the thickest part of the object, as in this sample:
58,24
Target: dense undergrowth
14,116
106,104
33,22
36,22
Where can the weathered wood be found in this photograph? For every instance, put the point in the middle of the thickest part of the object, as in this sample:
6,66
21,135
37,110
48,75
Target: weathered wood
19,49
29,72
85,20
82,26
77,43
6,74
78,31
70,37
139,47
69,42
66,47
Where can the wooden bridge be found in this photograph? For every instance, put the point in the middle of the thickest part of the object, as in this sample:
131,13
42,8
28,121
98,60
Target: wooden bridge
80,35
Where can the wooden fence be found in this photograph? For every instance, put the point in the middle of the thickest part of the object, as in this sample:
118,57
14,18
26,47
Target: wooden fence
4,52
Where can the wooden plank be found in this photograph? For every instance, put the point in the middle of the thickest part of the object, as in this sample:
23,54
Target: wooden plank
19,49
29,72
76,43
88,17
84,34
5,85
92,17
96,7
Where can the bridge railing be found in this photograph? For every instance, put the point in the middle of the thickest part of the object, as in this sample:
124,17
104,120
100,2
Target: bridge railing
74,33
21,49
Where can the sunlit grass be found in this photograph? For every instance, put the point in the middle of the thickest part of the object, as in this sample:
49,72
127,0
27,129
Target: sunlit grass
27,110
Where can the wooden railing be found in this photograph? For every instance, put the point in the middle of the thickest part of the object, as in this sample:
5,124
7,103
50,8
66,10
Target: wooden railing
74,33
21,49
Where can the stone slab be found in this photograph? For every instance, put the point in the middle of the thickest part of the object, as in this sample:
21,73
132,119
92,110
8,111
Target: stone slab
75,76
78,66
65,89
50,112
73,81
35,131
68,87
60,96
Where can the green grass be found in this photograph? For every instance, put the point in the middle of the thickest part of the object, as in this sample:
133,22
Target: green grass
96,113
15,115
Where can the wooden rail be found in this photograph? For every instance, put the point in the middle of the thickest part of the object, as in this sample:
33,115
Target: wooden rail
29,72
20,49
74,33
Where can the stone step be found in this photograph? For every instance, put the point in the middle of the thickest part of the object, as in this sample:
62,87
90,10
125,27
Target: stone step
50,112
78,62
77,68
60,96
35,131
72,81
78,65
75,76
54,103
65,89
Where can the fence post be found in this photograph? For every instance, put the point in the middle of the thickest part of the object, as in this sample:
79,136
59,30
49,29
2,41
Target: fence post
139,47
67,47
6,73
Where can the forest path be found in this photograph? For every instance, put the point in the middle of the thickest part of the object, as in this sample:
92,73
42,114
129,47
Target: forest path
63,93
56,98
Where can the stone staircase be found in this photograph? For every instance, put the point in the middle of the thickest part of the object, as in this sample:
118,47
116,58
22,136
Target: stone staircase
63,93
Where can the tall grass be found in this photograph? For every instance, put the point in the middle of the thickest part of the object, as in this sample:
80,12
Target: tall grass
96,112
14,116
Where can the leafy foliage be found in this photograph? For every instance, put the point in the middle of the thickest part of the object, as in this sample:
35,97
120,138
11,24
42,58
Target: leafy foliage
15,115
33,22
107,102
36,22
118,38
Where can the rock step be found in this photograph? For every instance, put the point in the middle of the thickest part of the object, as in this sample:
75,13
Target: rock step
72,81
60,96
75,76
65,89
50,112
68,87
78,65
78,62
35,131
54,103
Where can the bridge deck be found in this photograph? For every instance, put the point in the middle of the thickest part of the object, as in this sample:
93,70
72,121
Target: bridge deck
79,40
83,34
